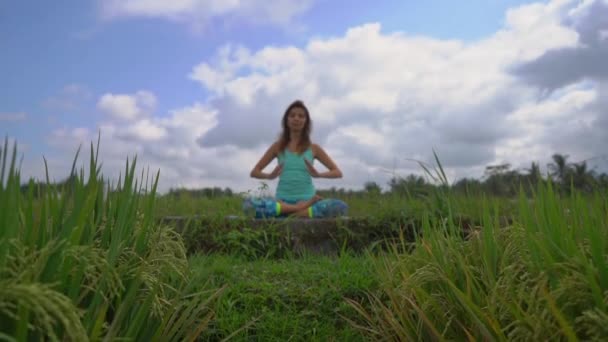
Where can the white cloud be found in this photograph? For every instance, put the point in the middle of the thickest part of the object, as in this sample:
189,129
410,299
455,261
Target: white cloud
573,83
199,12
546,125
167,143
145,130
127,107
379,98
13,117
378,101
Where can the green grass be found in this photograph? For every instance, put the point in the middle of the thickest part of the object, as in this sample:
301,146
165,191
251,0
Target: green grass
544,277
89,262
299,299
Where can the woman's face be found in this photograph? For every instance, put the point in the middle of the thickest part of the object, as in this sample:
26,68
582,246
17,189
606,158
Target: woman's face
296,119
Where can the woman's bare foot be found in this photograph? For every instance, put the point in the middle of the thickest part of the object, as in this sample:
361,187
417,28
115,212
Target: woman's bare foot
300,208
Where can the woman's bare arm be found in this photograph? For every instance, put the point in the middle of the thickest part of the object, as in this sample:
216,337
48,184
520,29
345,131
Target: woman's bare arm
323,157
268,156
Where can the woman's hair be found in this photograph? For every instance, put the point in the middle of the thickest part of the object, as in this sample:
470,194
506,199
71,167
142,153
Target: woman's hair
304,138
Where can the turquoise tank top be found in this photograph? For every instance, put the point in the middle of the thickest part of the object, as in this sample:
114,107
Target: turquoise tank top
295,183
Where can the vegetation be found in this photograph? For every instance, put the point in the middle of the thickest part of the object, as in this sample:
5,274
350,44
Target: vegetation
90,263
509,257
301,299
545,277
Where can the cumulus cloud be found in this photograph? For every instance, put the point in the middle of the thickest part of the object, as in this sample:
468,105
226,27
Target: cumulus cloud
573,84
127,107
200,12
379,100
584,60
379,97
165,143
144,130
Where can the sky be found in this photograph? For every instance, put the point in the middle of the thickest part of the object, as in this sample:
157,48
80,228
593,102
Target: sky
197,88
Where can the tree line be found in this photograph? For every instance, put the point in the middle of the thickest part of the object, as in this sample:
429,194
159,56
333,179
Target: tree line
502,180
498,180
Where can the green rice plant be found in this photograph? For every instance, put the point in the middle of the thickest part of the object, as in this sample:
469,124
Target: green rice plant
87,261
541,277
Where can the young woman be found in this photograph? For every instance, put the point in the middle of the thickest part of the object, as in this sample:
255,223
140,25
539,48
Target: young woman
296,153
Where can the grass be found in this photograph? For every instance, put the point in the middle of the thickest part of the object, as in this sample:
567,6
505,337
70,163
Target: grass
87,261
541,278
285,300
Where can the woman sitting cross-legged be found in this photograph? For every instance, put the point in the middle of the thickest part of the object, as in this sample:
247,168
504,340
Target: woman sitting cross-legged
295,194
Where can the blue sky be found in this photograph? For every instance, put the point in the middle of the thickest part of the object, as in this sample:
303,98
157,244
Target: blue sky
51,44
59,58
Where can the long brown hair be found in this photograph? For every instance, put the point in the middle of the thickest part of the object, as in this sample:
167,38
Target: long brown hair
284,138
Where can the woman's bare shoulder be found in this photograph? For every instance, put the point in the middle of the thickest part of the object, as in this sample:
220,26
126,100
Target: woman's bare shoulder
275,147
315,148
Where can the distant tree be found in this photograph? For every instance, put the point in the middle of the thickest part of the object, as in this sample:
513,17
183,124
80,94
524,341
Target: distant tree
534,175
531,179
372,188
40,187
334,192
602,181
208,192
500,180
559,167
410,185
581,177
468,186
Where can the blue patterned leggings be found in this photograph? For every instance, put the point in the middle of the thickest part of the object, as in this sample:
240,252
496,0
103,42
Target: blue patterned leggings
268,207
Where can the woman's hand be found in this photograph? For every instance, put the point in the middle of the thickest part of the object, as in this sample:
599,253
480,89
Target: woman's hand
276,172
315,199
311,169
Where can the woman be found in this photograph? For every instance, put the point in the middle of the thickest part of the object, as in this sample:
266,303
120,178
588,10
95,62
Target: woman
296,153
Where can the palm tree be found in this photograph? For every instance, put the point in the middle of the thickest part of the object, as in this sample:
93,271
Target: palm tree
534,173
559,168
582,178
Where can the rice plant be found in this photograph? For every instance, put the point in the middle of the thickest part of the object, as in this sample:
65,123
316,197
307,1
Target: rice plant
543,277
87,260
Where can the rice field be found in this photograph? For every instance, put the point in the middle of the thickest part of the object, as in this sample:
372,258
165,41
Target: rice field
89,261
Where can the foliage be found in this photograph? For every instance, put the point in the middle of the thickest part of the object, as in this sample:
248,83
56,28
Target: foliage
85,262
544,277
509,257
